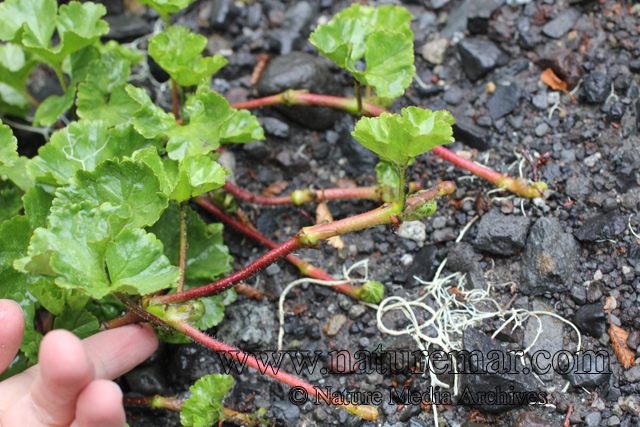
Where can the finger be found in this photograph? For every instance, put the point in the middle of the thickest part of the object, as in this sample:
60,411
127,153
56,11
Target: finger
113,353
100,405
11,330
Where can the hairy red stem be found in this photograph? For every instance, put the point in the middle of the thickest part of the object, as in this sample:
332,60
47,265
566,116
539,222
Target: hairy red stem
305,267
367,412
128,318
299,197
309,237
293,97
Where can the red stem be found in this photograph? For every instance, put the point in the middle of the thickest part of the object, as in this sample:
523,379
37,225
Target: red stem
364,411
303,196
154,402
305,267
126,319
292,97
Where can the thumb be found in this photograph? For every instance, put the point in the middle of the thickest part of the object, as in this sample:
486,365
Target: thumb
11,330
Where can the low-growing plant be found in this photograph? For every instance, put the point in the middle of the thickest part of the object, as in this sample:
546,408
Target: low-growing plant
98,223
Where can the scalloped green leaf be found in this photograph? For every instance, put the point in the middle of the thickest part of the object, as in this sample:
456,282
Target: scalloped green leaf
241,127
81,146
136,263
134,56
81,323
78,24
119,183
179,52
86,248
380,36
15,66
393,18
8,146
37,205
53,107
13,102
17,174
167,6
102,96
10,202
399,138
200,134
34,17
204,407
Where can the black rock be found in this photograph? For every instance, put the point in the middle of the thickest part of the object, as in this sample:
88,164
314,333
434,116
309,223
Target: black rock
114,7
286,413
501,235
148,380
528,37
549,260
126,27
453,96
275,127
248,326
626,180
590,319
478,20
562,24
578,188
361,160
589,371
257,150
505,99
599,227
299,70
478,57
462,256
616,112
470,134
223,12
458,18
190,362
597,87
299,18
479,375
424,265
579,295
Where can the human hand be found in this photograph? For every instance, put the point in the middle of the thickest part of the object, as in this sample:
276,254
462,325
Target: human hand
70,386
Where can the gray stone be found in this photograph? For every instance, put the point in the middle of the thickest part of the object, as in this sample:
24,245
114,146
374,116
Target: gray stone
286,412
479,376
257,150
593,419
357,311
550,338
148,380
562,24
633,374
274,127
500,234
434,51
578,188
540,100
299,70
459,16
550,259
444,235
529,419
248,326
453,96
590,319
505,99
126,26
589,370
542,129
299,17
599,227
222,13
478,57
596,87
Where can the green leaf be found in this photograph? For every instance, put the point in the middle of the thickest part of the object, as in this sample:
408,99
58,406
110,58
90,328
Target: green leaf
136,263
14,240
167,6
106,309
35,18
200,134
207,256
215,307
37,204
15,66
78,24
56,299
102,96
134,56
393,18
204,407
53,107
18,174
120,183
10,203
13,102
31,344
8,146
81,322
382,36
19,364
399,138
81,146
178,51
241,127
165,169
81,240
